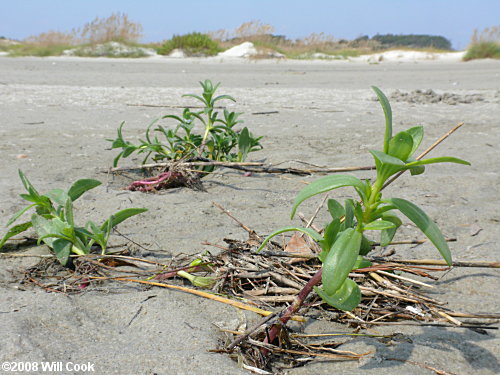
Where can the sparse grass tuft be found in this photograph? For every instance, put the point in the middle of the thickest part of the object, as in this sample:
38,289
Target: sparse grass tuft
115,28
484,45
483,50
261,35
36,50
101,31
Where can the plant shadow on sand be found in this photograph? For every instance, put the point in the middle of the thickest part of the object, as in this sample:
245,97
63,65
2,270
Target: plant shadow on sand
443,340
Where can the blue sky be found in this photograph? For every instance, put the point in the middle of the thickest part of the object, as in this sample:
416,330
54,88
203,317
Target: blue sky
453,19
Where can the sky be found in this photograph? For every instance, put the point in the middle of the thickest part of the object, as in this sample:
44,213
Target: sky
347,19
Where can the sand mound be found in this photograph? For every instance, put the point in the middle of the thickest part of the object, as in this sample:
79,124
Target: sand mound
430,97
409,56
110,49
245,49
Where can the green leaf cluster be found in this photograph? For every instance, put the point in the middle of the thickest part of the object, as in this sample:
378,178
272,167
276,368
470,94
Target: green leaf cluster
219,140
343,242
54,222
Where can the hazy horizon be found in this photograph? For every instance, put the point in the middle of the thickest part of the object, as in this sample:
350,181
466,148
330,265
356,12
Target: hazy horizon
454,20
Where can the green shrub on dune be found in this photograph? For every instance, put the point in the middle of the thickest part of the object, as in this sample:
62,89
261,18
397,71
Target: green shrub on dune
483,50
192,44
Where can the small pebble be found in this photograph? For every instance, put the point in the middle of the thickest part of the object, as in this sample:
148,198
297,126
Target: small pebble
21,156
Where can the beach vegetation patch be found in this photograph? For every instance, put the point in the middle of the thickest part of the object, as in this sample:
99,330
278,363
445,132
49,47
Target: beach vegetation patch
217,140
343,241
192,44
55,224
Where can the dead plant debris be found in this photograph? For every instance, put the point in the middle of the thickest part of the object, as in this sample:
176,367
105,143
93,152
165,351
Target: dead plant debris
267,283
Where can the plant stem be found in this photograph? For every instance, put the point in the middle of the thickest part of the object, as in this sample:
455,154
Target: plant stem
208,128
372,202
78,251
286,314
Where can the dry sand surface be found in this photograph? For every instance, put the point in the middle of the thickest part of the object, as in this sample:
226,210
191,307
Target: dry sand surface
59,112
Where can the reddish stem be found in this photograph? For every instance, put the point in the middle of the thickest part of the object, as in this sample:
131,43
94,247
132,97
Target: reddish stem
286,314
163,180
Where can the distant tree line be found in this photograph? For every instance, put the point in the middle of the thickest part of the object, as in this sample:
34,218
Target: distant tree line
409,41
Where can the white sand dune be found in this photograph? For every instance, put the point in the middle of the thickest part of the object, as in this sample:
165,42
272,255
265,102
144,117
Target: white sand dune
409,56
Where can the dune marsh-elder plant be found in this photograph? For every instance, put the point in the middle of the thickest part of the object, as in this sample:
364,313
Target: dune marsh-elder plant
218,141
54,220
343,241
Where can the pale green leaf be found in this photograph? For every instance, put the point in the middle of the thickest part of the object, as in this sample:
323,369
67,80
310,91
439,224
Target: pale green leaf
386,106
330,234
18,214
346,298
80,187
387,235
58,196
361,262
243,144
340,260
62,250
15,230
122,215
379,225
442,159
425,224
400,146
335,208
325,184
27,184
417,134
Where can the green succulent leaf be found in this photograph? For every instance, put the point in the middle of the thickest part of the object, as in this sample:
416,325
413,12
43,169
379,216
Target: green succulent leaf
18,214
50,229
349,214
82,186
346,298
15,230
417,134
325,184
221,97
386,106
442,159
358,211
387,235
243,144
68,210
379,225
366,246
401,145
57,196
120,216
310,232
361,262
340,260
387,165
27,184
62,250
425,224
43,227
415,170
330,234
335,208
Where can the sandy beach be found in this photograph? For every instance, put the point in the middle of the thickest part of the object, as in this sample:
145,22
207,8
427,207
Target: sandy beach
60,111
